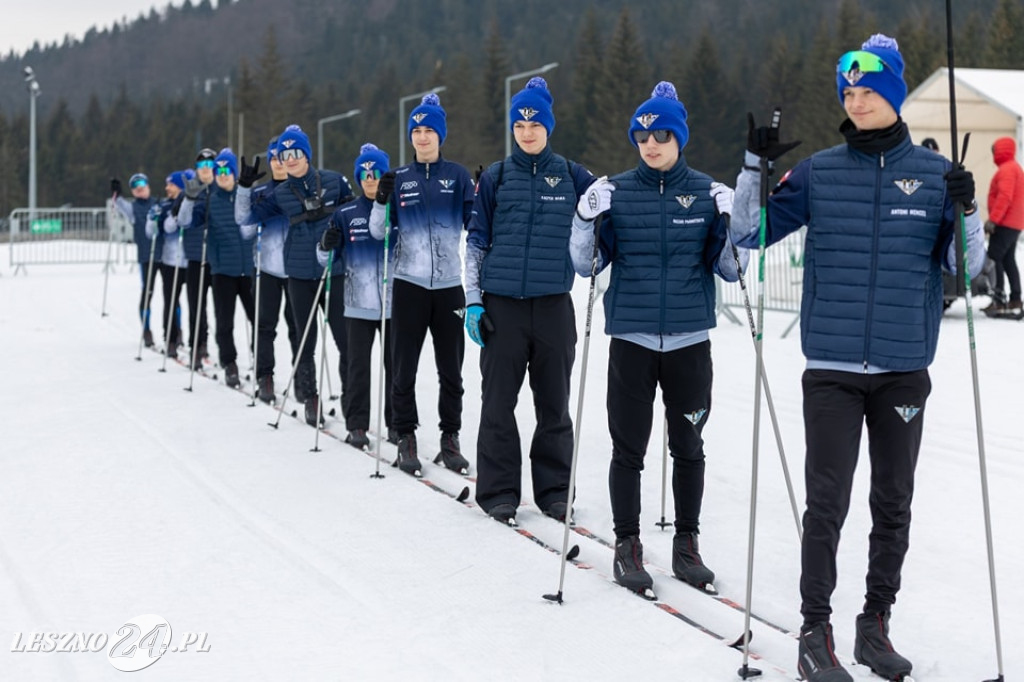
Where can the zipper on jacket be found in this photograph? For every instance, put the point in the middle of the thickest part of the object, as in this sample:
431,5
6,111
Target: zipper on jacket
876,229
664,255
529,227
430,229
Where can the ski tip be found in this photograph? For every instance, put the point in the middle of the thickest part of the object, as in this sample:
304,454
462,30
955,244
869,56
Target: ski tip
573,552
709,588
739,641
648,594
332,412
463,495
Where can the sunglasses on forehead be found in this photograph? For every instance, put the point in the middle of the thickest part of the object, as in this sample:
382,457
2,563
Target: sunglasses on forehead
289,154
139,183
224,170
369,174
205,163
660,136
853,65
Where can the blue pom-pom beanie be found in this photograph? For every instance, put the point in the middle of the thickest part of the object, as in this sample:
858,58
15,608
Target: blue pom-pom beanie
371,158
533,103
294,138
177,178
429,113
889,82
226,157
663,111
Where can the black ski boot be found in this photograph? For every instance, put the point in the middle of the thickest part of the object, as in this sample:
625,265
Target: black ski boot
392,436
313,416
147,338
266,389
408,461
816,657
687,564
451,454
873,648
231,375
628,566
556,510
358,439
503,513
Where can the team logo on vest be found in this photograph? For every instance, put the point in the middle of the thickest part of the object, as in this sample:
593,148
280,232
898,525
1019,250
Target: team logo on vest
447,182
527,113
552,180
907,412
695,417
418,117
908,186
686,200
646,120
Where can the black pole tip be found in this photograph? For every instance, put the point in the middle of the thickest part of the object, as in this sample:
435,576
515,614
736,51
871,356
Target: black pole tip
573,552
746,672
463,495
376,474
557,598
272,425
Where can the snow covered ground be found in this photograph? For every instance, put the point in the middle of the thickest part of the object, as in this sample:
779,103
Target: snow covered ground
123,495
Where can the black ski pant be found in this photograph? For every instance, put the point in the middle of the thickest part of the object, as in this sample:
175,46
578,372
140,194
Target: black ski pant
414,311
1002,249
303,293
271,290
226,288
146,303
192,293
634,374
837,405
535,335
360,370
172,308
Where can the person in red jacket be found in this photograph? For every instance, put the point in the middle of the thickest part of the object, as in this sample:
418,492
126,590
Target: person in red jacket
1006,215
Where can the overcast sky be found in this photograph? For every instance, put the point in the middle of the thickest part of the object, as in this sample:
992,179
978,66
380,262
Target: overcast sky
26,21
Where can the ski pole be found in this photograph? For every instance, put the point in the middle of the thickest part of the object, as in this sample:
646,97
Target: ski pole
768,394
298,353
110,247
147,290
202,299
323,346
174,302
965,277
256,323
663,524
384,347
557,597
745,671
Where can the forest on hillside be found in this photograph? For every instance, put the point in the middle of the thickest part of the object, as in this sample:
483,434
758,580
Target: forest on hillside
145,94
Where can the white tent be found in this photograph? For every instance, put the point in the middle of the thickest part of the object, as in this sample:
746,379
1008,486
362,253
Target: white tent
989,105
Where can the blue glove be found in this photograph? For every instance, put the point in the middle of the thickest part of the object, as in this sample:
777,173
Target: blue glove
477,322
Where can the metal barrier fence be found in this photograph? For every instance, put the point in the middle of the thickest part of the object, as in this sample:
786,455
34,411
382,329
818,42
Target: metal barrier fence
62,236
783,281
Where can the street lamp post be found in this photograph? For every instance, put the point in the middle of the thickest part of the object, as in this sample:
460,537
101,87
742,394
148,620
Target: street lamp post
33,92
402,122
508,98
226,80
320,133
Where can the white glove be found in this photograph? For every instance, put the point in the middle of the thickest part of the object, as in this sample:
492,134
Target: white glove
596,200
722,195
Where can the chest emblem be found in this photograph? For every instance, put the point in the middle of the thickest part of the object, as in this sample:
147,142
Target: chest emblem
908,186
552,180
686,200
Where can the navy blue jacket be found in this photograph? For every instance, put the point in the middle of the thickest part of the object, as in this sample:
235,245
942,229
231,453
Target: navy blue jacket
518,239
305,227
361,257
664,236
226,251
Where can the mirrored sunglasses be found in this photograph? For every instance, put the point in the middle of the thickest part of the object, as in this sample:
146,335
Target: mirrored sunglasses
369,175
205,163
289,154
224,170
853,65
660,136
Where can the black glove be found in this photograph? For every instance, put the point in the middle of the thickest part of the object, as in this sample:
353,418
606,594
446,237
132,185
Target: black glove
115,186
193,187
248,175
385,187
477,173
330,238
960,186
763,141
